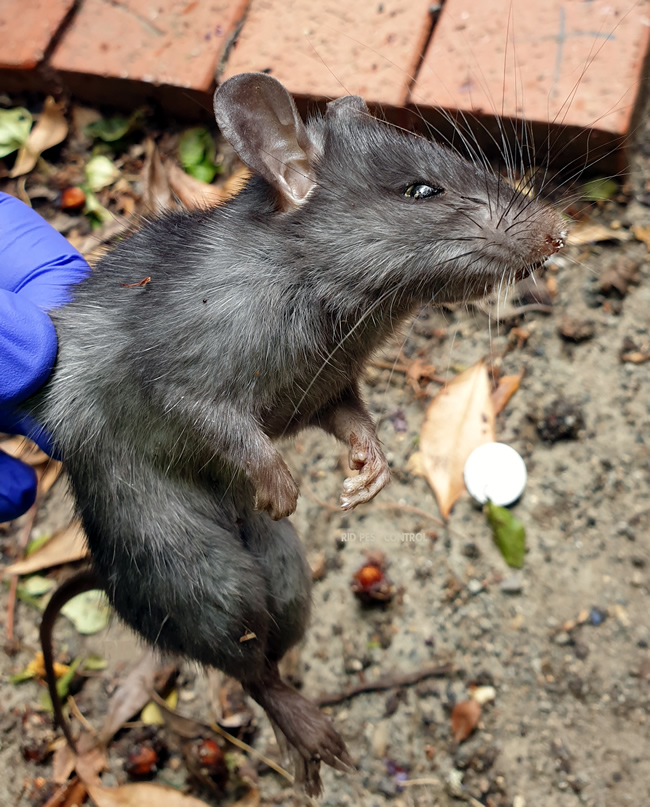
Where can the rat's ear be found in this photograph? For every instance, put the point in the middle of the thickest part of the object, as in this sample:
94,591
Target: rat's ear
347,106
259,119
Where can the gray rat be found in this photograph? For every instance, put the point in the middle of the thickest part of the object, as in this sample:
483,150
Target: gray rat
256,322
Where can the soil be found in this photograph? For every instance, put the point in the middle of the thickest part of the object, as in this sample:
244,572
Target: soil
564,642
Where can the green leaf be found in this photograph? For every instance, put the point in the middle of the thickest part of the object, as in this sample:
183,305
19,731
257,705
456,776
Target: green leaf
109,129
36,585
115,128
193,147
95,663
37,543
100,173
89,612
204,171
509,534
21,677
62,685
15,125
599,190
95,211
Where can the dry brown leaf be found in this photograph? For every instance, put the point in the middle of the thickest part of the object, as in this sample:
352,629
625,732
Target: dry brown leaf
90,761
65,546
51,129
192,192
459,419
142,794
24,449
47,474
157,192
464,719
131,695
70,794
592,233
642,234
185,727
508,385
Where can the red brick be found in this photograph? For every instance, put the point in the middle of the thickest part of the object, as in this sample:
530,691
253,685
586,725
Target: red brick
26,29
327,50
577,64
173,43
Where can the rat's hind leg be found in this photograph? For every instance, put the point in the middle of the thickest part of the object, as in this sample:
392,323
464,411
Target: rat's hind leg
175,568
309,733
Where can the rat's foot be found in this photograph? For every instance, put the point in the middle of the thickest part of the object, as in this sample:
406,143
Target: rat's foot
276,491
310,735
374,474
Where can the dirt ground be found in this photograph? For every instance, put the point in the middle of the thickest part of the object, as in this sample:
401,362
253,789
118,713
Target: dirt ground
564,642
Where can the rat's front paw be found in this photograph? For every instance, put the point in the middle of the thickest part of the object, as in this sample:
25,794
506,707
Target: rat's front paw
277,494
374,475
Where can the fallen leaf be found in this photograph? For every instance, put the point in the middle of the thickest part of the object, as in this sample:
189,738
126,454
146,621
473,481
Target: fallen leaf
464,719
36,669
131,696
599,190
157,190
51,129
48,473
71,794
25,450
115,128
185,727
142,794
36,585
89,612
14,129
506,388
151,714
459,419
100,172
509,534
642,234
193,193
593,233
89,762
65,546
197,152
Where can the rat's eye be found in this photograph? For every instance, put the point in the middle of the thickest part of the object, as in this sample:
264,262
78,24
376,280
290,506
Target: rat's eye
421,191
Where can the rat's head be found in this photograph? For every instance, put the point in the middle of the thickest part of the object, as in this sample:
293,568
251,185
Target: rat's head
407,213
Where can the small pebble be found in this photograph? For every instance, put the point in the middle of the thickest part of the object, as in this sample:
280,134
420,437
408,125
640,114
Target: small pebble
512,584
562,638
475,586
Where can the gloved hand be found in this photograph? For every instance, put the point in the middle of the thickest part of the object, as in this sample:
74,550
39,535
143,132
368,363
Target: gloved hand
37,267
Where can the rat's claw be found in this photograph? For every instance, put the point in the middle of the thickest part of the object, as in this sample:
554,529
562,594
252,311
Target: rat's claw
373,477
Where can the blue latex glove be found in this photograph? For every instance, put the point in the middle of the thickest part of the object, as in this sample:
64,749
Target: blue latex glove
37,267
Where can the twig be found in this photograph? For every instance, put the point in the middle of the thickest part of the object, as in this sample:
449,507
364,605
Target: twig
76,713
252,751
403,368
405,508
13,585
387,682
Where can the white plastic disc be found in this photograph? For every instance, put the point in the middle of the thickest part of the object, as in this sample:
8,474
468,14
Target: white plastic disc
495,471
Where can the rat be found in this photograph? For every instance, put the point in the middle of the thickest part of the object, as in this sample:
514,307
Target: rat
206,335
